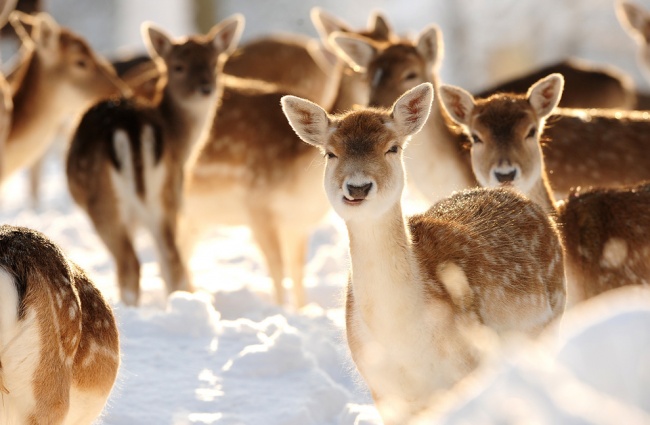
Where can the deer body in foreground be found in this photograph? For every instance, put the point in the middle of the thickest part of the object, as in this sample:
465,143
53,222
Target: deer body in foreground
126,162
606,233
419,285
586,147
58,77
59,343
253,170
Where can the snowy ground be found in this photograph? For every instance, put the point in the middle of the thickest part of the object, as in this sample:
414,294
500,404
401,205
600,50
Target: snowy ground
227,355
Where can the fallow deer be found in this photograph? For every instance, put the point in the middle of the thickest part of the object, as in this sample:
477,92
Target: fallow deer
419,285
126,162
606,233
58,76
59,347
253,170
585,147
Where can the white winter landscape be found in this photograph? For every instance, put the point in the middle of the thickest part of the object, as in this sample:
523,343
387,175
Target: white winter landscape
227,354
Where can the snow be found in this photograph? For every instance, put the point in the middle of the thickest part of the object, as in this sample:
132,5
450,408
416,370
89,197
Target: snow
227,355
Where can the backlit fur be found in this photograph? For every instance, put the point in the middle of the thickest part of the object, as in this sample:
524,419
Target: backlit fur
421,287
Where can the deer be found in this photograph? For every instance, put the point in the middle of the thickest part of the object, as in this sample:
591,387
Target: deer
59,343
252,170
635,20
57,77
126,162
419,286
582,147
605,232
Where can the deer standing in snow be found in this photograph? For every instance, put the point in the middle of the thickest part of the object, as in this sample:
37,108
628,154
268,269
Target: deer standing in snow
59,348
606,233
585,147
253,170
419,285
126,162
58,76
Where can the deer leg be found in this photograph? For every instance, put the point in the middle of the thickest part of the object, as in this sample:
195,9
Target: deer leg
294,248
117,239
172,264
265,233
35,173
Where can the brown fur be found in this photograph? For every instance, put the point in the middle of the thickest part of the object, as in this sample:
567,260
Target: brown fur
79,347
159,141
588,220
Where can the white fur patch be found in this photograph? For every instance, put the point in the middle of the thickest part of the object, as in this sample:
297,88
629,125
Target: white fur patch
455,280
615,253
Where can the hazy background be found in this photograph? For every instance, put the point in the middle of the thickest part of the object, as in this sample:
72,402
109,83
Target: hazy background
486,40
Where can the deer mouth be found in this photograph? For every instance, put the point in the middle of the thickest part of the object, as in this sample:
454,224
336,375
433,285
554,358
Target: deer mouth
352,201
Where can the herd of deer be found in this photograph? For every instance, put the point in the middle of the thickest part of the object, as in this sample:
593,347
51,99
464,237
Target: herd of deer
205,134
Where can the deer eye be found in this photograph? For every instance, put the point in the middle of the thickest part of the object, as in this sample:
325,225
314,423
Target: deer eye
330,155
476,139
80,63
531,133
393,149
179,68
410,76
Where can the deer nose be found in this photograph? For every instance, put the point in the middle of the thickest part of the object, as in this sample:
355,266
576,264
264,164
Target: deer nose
359,192
205,89
505,177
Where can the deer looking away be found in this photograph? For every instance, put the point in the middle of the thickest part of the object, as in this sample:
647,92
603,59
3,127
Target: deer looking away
126,162
419,285
58,76
585,147
606,233
59,348
253,170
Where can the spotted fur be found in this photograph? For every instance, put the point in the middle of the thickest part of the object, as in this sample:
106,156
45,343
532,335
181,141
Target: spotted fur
59,348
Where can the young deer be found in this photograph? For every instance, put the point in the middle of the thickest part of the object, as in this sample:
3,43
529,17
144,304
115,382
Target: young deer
126,162
58,76
606,233
419,285
253,170
587,147
59,348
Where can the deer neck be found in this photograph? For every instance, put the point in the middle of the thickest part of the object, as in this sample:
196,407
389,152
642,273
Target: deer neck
542,194
351,91
383,279
185,122
37,114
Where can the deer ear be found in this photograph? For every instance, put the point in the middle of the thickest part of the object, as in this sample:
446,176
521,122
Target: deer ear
411,110
634,19
457,102
23,24
226,34
158,43
45,32
355,50
307,119
379,26
327,24
545,94
429,44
